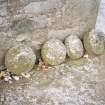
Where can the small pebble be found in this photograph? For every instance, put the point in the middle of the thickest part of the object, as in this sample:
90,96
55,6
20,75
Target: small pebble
7,78
16,78
26,75
86,56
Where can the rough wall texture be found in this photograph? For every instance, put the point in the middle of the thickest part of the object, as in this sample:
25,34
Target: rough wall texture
34,21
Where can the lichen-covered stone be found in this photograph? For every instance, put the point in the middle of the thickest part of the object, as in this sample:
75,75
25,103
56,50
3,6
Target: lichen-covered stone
40,20
94,43
74,47
20,58
53,52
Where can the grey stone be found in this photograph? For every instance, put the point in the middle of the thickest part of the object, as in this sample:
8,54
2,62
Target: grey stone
36,7
3,8
94,42
22,26
74,47
53,52
42,6
25,25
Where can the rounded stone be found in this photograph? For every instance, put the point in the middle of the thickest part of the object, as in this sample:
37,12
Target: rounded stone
74,47
94,43
20,58
53,52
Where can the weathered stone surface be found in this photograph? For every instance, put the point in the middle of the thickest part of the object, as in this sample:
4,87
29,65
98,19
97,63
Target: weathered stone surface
77,84
39,20
94,43
53,52
74,47
20,59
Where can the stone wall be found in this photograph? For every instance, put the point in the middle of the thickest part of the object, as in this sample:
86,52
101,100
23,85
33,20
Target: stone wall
32,22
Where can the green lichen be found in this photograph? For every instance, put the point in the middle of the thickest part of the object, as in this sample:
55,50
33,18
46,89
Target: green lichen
20,58
53,52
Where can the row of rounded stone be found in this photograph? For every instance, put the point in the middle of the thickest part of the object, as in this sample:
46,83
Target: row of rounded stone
21,58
